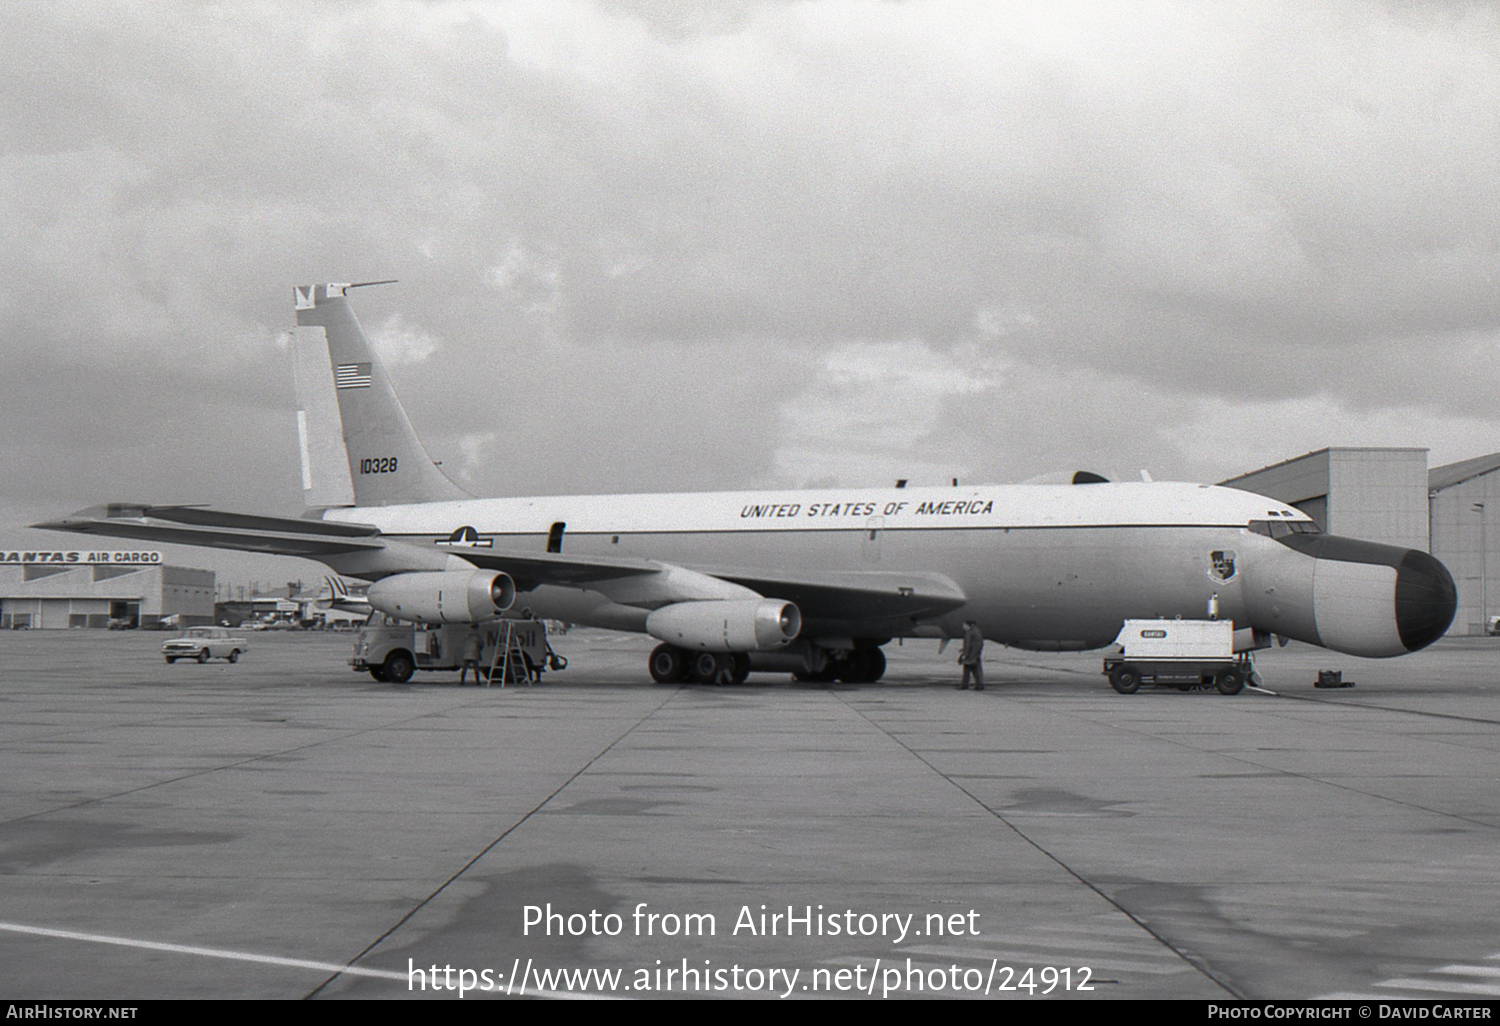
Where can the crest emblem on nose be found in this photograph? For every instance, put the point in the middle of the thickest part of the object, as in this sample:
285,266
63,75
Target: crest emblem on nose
1222,565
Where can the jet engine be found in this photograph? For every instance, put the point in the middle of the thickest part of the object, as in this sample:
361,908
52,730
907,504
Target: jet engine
444,596
730,625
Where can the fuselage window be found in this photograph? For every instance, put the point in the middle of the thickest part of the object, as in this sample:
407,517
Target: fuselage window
1282,528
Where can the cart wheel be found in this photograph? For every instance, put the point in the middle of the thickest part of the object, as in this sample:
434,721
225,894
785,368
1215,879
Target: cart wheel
1231,682
1125,679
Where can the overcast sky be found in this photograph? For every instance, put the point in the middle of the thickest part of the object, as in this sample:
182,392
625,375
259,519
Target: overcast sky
652,245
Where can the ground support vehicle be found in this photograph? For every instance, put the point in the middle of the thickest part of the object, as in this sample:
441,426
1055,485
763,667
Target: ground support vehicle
393,650
203,644
1187,653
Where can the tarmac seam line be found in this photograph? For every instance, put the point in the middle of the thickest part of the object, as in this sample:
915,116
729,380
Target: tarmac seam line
503,835
1190,960
1280,771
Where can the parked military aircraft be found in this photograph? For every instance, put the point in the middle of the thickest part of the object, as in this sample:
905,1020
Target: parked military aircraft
812,582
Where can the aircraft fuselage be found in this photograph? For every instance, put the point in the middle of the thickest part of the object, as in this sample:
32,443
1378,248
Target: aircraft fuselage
1037,566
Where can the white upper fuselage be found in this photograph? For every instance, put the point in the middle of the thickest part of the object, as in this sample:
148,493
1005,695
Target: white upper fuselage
1138,504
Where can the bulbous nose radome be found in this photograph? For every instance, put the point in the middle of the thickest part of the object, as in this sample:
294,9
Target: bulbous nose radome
1375,600
1426,600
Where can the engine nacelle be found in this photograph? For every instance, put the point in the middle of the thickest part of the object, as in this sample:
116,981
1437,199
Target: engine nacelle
444,596
730,625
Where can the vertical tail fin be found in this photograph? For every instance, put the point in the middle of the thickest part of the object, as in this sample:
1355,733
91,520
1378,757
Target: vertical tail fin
387,463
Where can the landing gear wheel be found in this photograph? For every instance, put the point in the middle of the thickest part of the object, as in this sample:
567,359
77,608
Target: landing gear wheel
1231,682
234,656
1125,679
668,665
741,668
707,667
398,668
203,655
857,668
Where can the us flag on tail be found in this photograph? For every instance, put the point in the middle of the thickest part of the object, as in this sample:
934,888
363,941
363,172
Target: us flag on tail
351,375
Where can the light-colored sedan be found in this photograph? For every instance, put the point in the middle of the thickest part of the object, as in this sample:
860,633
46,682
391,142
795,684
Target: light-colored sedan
203,644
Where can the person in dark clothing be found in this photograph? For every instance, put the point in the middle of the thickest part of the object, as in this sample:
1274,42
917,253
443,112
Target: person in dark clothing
969,656
472,649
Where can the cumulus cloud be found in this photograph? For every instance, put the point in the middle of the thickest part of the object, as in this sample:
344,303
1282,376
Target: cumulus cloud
869,412
397,342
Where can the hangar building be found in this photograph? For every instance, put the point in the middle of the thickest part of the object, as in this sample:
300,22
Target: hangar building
47,592
1462,508
1379,495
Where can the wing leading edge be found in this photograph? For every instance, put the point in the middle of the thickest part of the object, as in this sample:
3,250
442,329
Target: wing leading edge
196,525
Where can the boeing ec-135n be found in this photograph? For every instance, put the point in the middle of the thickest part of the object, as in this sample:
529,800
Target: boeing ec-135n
808,582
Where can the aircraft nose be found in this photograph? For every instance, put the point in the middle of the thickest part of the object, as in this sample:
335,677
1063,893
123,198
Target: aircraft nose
1426,600
1375,600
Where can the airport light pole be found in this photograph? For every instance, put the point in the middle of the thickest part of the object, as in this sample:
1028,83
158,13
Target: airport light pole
1484,561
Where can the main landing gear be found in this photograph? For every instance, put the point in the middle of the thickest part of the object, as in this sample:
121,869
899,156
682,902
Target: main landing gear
864,664
672,665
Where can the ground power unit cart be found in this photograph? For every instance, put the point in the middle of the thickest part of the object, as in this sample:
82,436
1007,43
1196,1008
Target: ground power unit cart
1187,653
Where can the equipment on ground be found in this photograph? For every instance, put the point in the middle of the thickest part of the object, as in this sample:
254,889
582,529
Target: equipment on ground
392,650
1187,653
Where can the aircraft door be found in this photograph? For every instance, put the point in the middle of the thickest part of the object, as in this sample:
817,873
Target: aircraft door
870,540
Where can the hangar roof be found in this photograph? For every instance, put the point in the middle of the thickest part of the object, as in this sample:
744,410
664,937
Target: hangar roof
1439,478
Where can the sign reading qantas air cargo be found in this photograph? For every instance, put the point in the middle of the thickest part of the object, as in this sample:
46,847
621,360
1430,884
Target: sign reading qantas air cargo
21,558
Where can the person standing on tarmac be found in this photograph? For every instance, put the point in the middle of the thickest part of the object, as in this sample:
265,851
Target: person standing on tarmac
470,658
969,656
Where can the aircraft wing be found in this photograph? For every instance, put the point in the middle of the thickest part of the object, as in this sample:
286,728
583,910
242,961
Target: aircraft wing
855,596
831,598
845,596
530,569
196,525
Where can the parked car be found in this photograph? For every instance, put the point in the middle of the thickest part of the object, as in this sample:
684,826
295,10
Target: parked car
203,644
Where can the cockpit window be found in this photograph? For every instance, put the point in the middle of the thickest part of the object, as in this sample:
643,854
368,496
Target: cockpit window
1282,528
